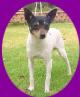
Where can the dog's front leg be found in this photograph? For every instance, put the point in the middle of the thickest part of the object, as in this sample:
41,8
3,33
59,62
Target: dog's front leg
30,66
48,75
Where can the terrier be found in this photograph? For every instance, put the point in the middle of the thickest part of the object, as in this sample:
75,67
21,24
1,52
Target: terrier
41,41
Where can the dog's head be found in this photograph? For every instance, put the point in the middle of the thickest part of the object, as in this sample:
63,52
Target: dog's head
39,25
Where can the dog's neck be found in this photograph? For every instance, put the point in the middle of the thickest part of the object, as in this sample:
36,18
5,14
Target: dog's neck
35,39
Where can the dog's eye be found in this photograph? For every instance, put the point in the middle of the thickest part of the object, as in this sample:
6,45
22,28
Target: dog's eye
36,28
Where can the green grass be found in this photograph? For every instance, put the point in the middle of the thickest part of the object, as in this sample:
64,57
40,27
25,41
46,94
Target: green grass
15,60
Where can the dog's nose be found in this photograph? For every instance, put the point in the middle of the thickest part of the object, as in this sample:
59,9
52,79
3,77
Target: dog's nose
42,36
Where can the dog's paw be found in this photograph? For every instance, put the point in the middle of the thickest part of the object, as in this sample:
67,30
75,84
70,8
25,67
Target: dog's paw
47,91
70,73
31,88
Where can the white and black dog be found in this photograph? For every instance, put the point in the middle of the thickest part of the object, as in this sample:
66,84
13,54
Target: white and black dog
41,41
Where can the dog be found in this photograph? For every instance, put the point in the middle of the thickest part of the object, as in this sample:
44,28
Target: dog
41,41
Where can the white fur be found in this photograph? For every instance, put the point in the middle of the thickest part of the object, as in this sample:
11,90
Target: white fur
43,48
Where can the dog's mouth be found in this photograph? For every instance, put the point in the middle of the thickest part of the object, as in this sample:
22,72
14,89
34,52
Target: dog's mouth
42,36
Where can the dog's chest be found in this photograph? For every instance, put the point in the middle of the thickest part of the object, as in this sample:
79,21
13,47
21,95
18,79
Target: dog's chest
37,48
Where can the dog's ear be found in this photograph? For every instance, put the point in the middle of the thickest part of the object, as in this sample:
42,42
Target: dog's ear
52,14
28,15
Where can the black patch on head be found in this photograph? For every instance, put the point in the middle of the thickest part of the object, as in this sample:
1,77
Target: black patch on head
38,22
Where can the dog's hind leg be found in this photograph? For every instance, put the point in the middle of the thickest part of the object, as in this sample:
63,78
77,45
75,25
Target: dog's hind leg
63,53
30,66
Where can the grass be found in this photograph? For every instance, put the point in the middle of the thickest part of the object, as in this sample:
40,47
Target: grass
15,60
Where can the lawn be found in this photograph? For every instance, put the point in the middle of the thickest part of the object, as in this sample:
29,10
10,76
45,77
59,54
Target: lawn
15,59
